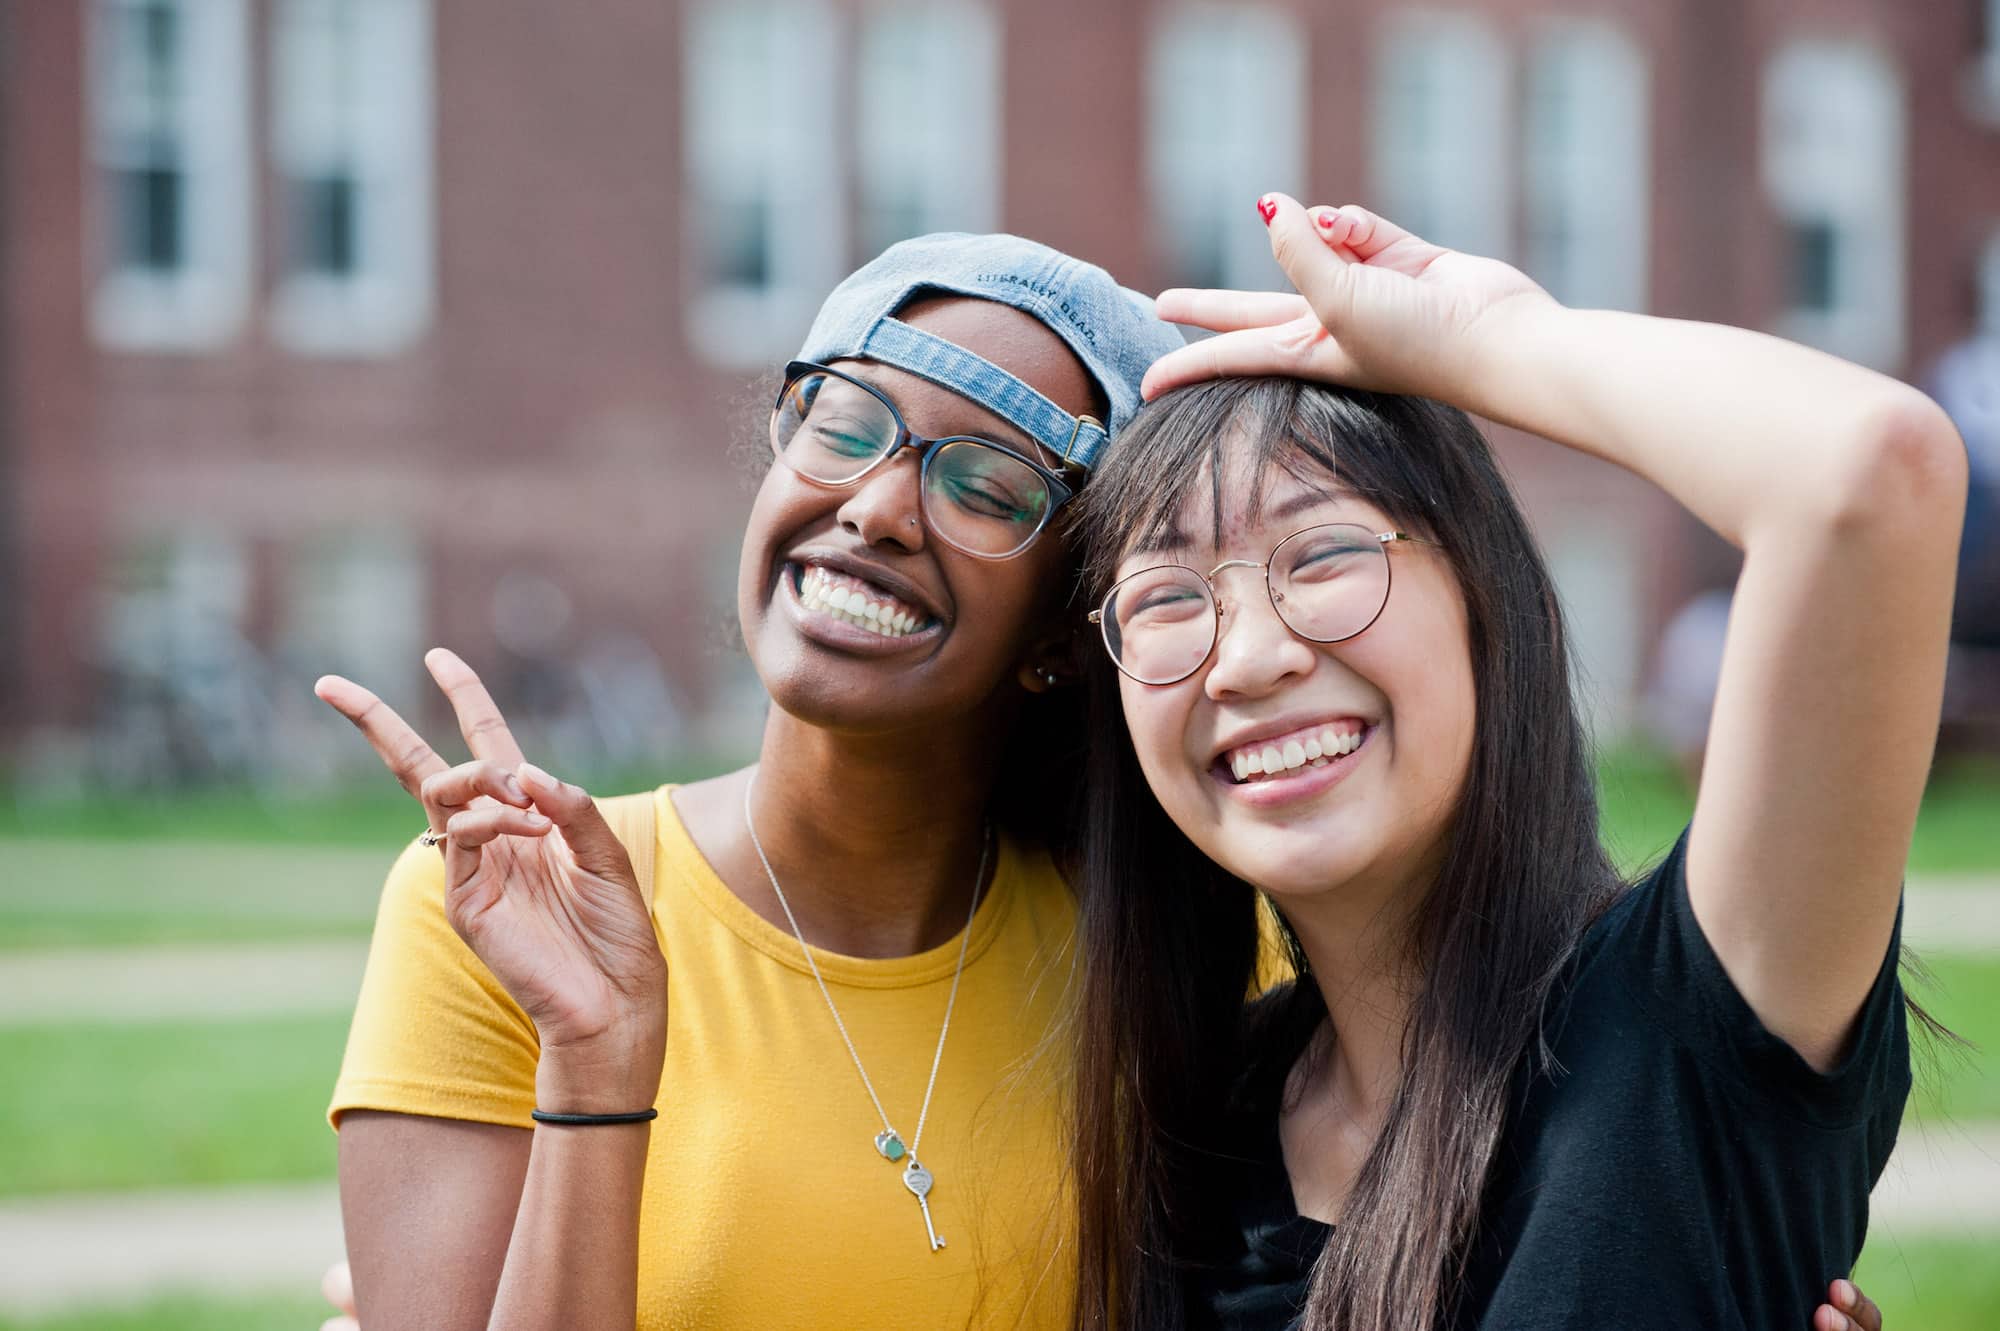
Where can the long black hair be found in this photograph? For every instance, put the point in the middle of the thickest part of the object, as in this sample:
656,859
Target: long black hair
1170,940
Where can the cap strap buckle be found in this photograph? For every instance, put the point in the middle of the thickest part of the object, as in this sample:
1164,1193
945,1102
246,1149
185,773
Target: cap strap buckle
1091,445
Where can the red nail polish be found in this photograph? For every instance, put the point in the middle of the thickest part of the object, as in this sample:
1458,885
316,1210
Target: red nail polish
1267,208
1325,221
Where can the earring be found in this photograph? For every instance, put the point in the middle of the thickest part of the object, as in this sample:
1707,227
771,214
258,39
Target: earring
1046,675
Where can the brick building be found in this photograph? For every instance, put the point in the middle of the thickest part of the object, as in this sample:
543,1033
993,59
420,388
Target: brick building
330,329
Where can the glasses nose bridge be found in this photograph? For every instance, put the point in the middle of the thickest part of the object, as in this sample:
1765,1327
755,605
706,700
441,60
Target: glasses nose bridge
886,469
1215,587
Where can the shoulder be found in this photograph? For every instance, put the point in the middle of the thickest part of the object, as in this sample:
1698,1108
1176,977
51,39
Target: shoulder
1647,977
634,817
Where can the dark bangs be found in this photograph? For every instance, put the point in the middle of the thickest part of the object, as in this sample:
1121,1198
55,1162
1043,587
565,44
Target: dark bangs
1233,432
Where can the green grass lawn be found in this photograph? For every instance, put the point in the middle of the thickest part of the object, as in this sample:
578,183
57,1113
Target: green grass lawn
168,1104
1959,1084
1934,1285
187,1312
74,892
1645,803
373,813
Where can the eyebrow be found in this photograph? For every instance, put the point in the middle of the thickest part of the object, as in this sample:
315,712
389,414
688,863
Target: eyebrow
1174,540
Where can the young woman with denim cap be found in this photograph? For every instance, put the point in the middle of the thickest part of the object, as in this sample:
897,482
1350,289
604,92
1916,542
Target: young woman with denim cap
1508,1091
904,602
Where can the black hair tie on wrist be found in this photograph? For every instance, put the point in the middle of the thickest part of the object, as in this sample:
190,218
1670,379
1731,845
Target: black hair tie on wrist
591,1120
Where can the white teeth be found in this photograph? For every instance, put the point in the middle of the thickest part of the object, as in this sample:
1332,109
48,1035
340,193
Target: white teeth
1334,744
1314,750
818,591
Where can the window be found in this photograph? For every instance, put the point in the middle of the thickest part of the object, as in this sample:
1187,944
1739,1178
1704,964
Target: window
1988,317
928,159
1226,110
1986,76
351,148
1441,129
355,601
762,78
1834,171
170,151
1587,170
1597,568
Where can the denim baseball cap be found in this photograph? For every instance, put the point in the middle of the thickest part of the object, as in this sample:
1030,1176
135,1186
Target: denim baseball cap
1112,329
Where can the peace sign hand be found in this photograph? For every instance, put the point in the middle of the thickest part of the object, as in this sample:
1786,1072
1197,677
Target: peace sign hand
536,884
1377,308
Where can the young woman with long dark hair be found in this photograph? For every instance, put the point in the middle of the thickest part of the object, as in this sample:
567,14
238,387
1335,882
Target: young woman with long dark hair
1509,1090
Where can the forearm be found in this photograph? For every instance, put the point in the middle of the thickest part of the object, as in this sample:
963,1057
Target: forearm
573,1259
1754,435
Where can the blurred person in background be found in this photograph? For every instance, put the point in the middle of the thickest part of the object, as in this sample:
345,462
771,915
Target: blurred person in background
832,977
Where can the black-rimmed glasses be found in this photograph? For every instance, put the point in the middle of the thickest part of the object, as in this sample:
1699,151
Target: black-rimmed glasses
983,498
1327,583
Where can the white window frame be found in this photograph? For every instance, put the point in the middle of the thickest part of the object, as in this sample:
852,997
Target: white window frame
201,304
762,149
1586,165
1226,112
1985,80
1441,163
936,151
378,130
1835,153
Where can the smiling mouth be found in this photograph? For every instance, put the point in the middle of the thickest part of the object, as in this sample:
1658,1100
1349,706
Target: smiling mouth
1283,755
856,601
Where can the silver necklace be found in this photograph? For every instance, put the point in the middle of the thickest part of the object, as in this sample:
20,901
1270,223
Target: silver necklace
888,1143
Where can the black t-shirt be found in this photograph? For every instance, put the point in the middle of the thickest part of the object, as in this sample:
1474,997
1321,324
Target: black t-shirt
1678,1166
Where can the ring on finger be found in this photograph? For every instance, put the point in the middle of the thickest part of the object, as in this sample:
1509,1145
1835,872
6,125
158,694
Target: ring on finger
431,838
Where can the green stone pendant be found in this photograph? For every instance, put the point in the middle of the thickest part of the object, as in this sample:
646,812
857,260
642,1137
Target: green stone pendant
890,1145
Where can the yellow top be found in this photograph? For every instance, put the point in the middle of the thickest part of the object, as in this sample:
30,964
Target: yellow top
766,1204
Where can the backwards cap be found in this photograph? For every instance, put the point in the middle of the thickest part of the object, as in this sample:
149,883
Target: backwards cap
1112,329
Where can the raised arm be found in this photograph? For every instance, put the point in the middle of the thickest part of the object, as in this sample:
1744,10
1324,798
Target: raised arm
1842,487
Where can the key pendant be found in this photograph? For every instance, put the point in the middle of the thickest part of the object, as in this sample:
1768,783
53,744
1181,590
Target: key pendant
918,1180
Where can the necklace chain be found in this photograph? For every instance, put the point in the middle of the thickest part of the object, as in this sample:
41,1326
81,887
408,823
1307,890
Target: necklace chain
965,938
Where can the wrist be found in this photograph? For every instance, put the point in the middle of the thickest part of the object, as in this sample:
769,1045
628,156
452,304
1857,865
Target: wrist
1503,350
606,1075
